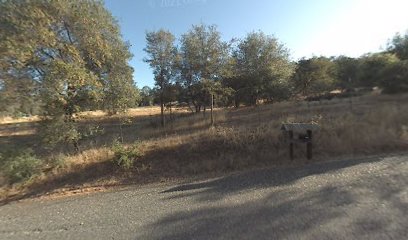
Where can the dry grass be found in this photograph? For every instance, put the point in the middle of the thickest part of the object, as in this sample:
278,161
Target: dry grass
229,147
6,120
242,138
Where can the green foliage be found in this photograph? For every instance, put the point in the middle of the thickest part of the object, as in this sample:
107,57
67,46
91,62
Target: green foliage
222,94
162,59
59,129
57,162
172,93
261,66
372,66
121,96
20,166
18,97
314,76
203,56
147,96
399,46
162,56
395,78
74,53
124,156
347,70
90,131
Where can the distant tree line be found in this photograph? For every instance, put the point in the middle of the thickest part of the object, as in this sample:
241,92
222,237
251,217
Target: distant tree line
58,58
258,67
203,69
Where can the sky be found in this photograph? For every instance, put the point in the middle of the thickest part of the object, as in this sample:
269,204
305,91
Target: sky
306,27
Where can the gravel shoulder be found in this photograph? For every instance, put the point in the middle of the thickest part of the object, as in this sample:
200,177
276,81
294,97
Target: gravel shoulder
349,199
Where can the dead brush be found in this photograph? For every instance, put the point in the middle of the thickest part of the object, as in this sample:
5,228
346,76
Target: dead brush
224,147
181,123
242,138
379,130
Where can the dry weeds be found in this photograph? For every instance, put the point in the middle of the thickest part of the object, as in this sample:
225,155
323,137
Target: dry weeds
242,138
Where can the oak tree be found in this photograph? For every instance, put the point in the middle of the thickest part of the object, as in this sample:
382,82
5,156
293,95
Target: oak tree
74,52
162,56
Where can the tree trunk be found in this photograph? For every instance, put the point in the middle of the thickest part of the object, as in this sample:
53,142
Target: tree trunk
198,108
212,109
162,86
236,102
76,146
163,123
189,106
162,114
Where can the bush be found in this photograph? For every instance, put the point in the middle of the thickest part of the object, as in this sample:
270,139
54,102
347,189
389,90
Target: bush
59,130
124,156
56,162
21,167
395,78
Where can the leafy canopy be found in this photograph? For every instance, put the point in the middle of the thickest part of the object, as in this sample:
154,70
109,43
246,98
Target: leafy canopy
314,75
72,50
262,66
203,56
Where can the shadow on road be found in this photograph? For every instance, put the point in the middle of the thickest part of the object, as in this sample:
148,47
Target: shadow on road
269,218
342,207
263,178
93,172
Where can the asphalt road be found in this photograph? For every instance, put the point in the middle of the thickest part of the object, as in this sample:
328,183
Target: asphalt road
353,199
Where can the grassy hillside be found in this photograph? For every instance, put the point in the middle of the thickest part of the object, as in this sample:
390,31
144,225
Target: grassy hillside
242,138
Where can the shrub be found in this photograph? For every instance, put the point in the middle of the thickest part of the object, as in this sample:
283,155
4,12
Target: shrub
68,132
395,78
124,156
58,161
22,166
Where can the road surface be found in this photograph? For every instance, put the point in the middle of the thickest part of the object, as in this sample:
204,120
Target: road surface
351,199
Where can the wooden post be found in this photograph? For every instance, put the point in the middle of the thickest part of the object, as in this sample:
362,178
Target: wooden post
212,109
309,144
162,114
171,113
291,145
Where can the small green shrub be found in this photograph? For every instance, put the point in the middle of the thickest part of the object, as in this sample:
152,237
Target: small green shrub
21,166
57,161
124,156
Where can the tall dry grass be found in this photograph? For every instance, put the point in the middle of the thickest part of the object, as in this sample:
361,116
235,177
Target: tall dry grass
252,136
242,138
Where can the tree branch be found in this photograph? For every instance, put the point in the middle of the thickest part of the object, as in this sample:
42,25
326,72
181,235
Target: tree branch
39,71
47,54
68,33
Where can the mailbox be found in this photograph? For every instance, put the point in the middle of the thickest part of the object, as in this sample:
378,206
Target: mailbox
304,133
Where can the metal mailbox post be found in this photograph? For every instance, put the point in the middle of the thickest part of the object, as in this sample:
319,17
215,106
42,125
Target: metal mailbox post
305,134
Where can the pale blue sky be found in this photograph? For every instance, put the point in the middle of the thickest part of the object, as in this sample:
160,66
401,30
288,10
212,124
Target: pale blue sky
306,27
